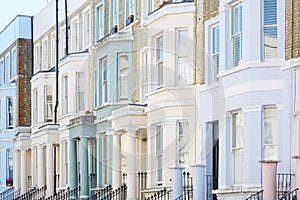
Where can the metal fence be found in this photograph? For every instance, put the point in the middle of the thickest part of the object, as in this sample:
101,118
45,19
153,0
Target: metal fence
187,190
33,194
284,184
9,194
65,194
256,196
109,194
290,196
142,183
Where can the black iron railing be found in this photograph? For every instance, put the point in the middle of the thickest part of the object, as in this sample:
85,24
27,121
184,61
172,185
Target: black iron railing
257,196
142,183
34,193
163,194
7,194
290,196
65,194
284,184
109,194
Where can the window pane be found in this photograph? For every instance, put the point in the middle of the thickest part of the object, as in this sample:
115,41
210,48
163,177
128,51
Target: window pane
270,12
123,75
49,103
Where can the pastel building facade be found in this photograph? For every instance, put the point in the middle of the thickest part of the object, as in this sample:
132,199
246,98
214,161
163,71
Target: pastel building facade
246,101
15,72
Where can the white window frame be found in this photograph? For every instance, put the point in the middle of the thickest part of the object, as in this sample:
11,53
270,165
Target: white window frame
182,137
10,163
13,63
37,58
7,65
181,56
237,149
270,146
63,43
45,54
159,145
86,31
48,104
130,9
159,61
2,71
266,27
144,74
114,13
80,90
65,94
122,77
35,109
236,35
104,75
53,49
150,6
10,112
75,34
66,164
215,68
100,20
96,87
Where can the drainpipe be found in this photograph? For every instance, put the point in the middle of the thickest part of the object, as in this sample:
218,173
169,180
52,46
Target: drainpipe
67,27
56,93
56,67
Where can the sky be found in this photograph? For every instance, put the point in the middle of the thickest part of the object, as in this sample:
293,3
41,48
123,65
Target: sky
9,9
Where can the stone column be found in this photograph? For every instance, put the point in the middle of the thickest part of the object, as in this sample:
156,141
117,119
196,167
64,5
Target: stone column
84,174
17,181
116,161
176,182
50,169
198,181
72,164
41,167
23,171
269,171
297,158
131,163
99,160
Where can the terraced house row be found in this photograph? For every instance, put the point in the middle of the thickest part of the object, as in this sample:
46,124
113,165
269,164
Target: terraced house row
138,99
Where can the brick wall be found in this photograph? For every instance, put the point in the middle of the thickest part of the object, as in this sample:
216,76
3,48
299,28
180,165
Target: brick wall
205,10
23,87
292,25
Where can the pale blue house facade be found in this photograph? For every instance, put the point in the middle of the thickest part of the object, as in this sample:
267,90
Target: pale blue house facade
12,39
246,103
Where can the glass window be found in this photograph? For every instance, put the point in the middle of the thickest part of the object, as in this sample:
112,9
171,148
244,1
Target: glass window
49,103
270,133
37,58
237,146
114,13
104,80
182,138
66,163
10,167
65,94
270,28
236,33
1,71
216,50
159,61
159,152
100,21
13,63
10,113
53,49
181,57
86,29
63,43
45,55
80,91
123,75
75,42
7,68
35,106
